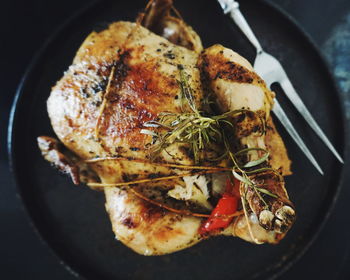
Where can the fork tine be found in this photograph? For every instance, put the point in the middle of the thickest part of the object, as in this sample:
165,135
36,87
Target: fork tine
281,115
300,106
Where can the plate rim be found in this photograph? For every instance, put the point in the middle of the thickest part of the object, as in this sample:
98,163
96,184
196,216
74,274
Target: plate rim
74,269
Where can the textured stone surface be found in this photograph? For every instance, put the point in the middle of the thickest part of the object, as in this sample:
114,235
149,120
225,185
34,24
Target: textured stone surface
337,51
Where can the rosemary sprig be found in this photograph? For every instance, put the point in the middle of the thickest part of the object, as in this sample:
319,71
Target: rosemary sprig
192,128
200,131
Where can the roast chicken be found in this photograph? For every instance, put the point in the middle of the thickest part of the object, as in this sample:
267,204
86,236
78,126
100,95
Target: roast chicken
105,110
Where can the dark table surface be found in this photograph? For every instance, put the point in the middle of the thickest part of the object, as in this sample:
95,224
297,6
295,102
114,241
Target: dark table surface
26,25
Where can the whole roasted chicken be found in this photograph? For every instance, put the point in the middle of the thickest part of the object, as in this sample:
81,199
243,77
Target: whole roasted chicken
178,137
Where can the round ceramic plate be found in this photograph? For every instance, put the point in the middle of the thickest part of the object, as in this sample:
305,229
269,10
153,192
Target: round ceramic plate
72,220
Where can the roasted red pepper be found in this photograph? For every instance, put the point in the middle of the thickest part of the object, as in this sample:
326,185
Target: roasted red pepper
226,206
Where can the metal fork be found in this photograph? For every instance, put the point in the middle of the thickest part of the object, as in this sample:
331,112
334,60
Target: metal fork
270,69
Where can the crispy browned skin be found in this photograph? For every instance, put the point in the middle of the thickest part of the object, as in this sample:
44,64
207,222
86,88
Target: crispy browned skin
144,83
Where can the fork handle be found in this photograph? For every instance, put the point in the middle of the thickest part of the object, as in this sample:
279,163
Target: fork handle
233,9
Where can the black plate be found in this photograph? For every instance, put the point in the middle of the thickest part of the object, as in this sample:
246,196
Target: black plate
72,220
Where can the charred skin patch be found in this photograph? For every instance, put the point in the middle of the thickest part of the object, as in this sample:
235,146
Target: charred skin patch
129,222
217,67
249,123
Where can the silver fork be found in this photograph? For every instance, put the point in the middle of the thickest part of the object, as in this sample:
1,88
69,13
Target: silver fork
271,70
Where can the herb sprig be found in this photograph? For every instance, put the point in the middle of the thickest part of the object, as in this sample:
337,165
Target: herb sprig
200,131
194,128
